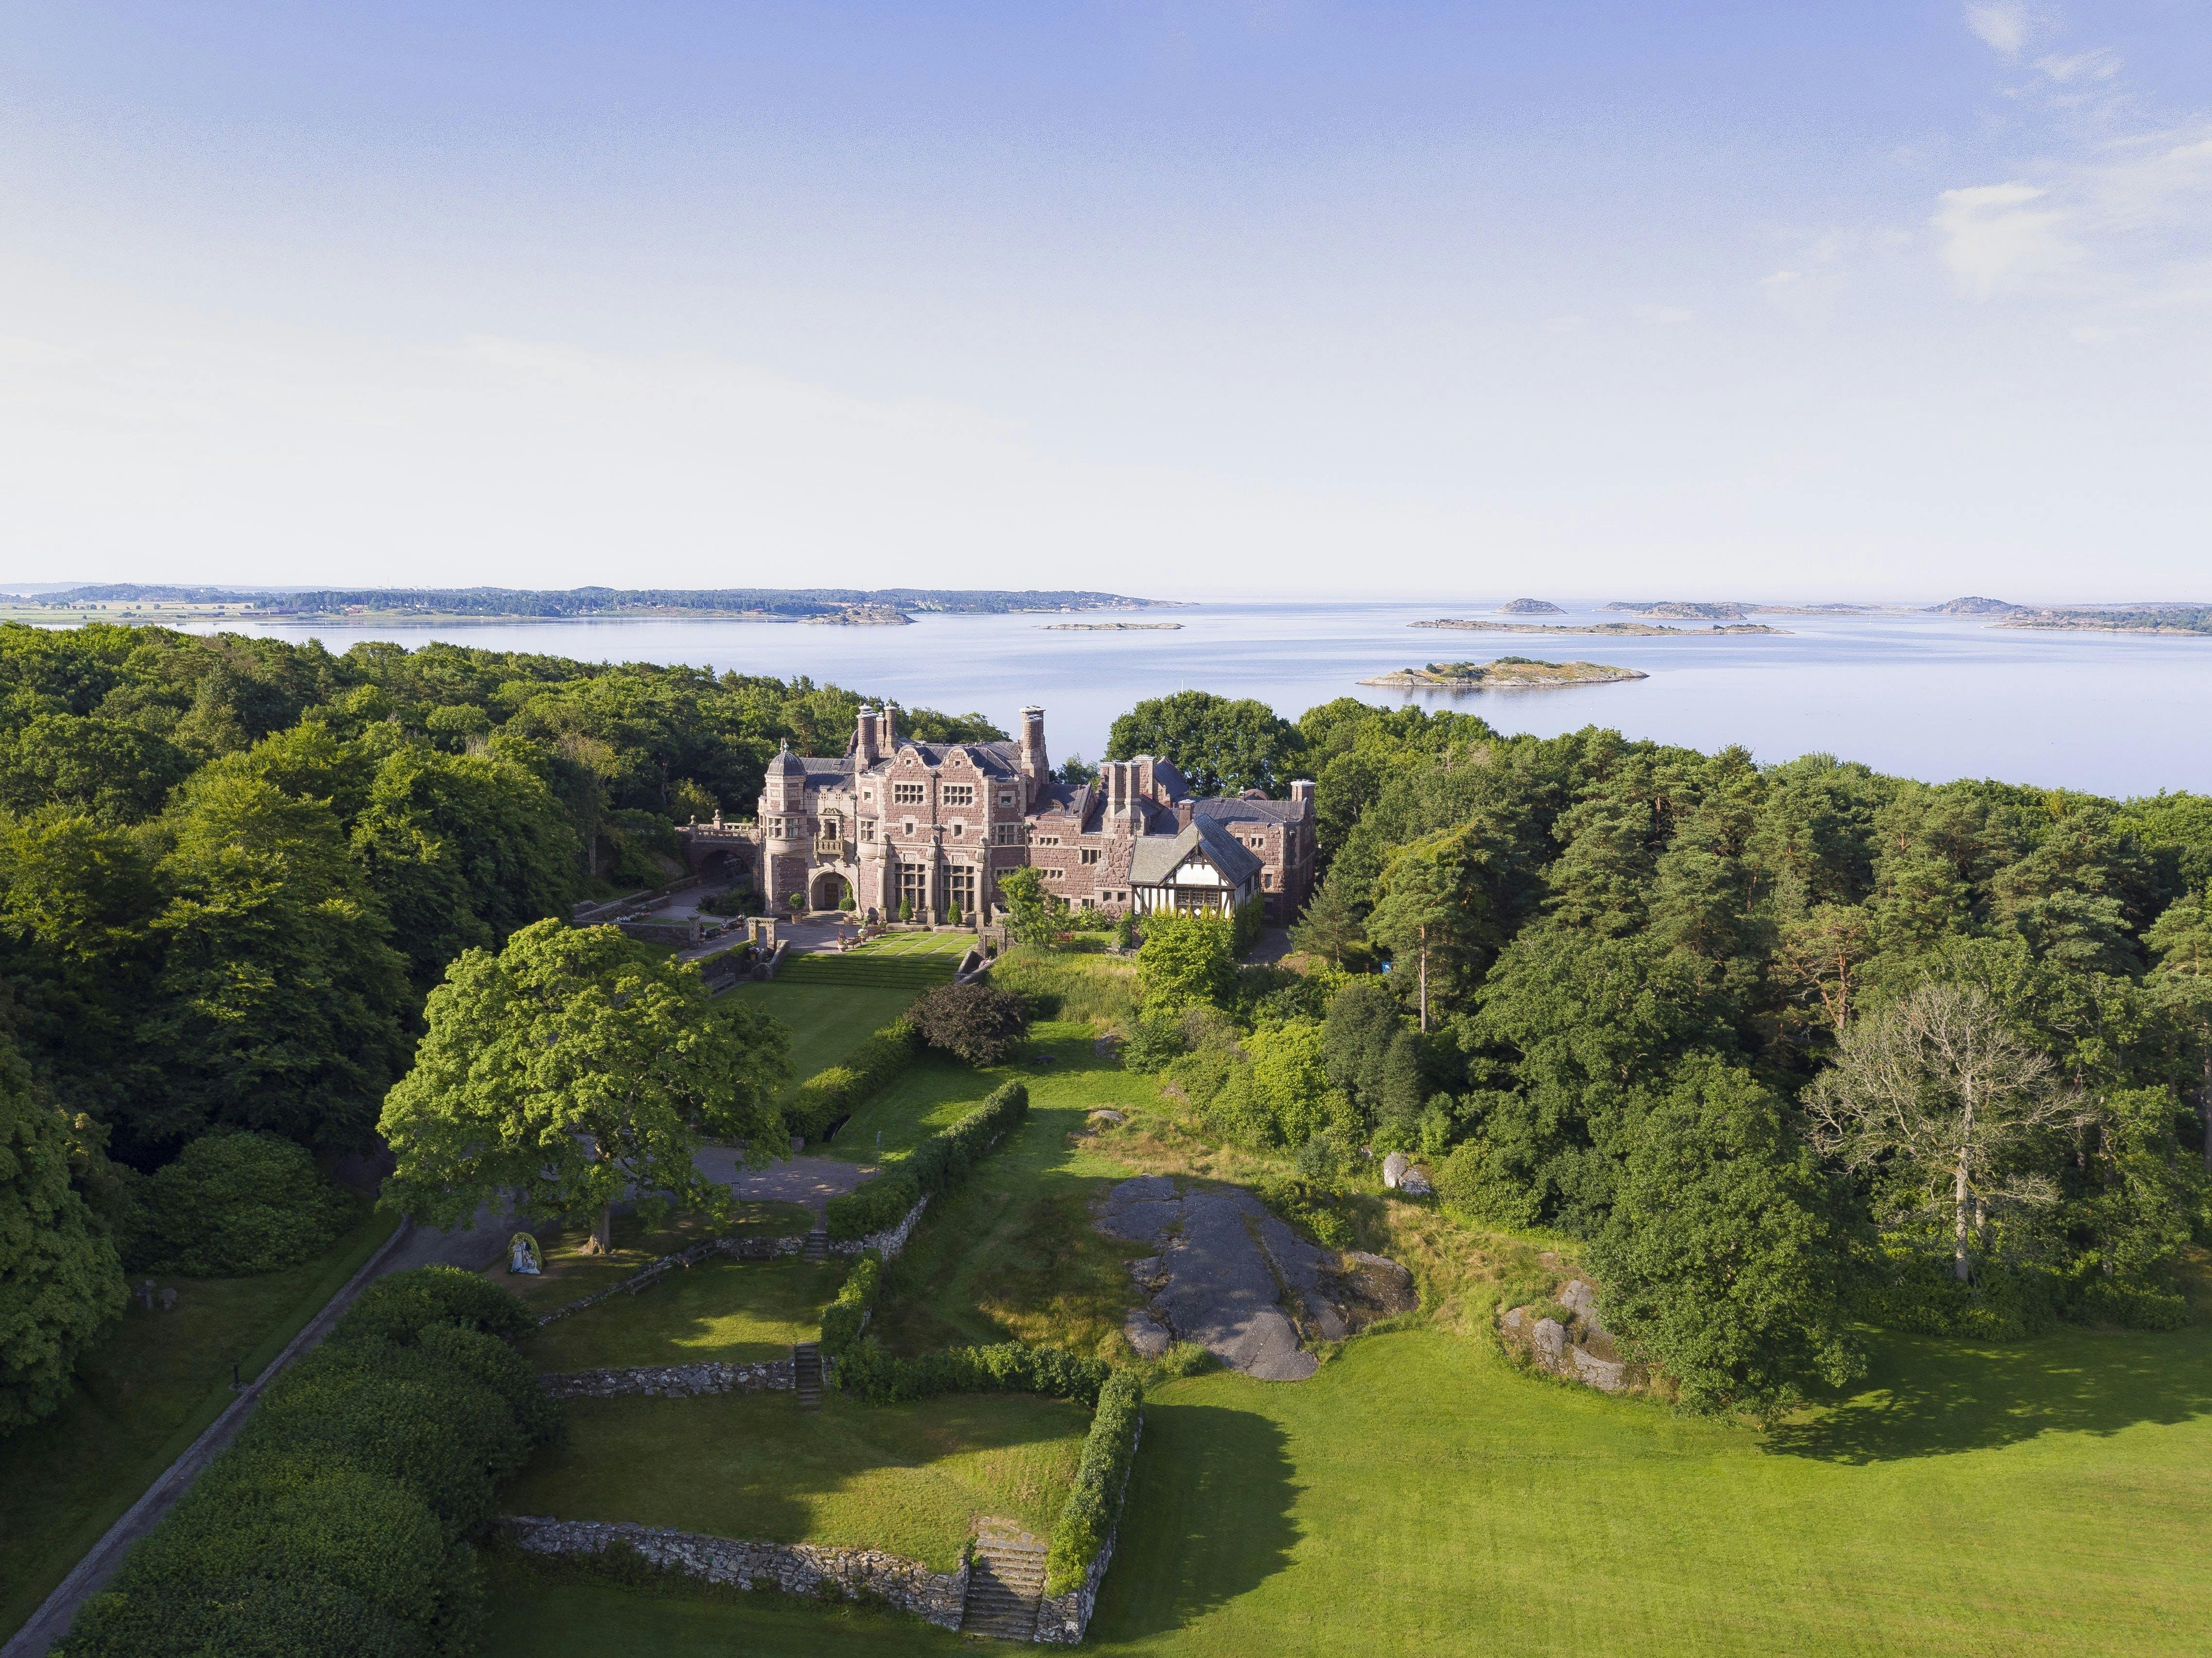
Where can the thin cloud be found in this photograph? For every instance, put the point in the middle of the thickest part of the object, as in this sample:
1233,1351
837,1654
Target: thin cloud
1994,236
2002,26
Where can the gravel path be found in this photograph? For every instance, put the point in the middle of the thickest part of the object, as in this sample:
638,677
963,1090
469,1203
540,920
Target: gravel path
811,1180
1222,1270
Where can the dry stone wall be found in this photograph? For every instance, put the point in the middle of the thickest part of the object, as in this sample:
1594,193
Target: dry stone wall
794,1568
887,1242
669,1381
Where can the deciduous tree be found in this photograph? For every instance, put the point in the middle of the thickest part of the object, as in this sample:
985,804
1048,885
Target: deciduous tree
573,1073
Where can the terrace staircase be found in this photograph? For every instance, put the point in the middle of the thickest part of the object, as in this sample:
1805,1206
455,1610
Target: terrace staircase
818,1246
1005,1583
806,1374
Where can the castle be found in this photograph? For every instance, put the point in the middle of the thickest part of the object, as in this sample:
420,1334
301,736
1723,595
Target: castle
929,828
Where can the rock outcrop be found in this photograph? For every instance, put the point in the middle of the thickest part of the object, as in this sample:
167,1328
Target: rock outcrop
1580,1348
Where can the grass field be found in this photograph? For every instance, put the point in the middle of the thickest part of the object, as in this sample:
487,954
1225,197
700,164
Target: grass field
729,1311
147,1389
826,1021
912,1479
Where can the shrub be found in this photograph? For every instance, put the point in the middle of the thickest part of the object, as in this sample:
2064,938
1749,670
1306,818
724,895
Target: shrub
834,1093
1011,1367
1914,1290
239,1618
843,1319
399,1307
978,1023
937,1164
235,1203
1154,1045
1310,1206
1094,1503
873,1205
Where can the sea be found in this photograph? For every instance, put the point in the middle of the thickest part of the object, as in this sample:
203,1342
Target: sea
1916,694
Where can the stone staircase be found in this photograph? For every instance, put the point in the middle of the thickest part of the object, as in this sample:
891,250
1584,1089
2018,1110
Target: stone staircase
1005,1583
806,1373
818,1246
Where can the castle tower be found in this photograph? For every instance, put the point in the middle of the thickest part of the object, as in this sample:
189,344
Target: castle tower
785,836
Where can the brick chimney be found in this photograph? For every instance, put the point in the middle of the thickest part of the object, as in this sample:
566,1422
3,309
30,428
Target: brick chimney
1035,766
887,732
1301,788
868,739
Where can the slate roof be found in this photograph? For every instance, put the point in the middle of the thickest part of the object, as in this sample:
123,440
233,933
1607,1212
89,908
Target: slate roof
1238,809
992,759
1155,856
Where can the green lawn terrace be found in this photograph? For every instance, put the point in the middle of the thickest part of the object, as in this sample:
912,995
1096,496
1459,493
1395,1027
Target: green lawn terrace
910,961
728,1312
915,1480
570,1274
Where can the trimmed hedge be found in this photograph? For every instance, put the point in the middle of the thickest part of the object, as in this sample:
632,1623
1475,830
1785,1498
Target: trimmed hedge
837,1091
1094,1503
1009,1367
936,1165
843,1319
339,1522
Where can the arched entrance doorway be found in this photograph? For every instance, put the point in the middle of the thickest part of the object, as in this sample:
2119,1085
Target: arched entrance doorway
829,890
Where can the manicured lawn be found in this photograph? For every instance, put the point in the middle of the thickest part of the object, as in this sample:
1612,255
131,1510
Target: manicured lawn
1420,1496
540,1617
954,945
736,1312
570,1274
912,1479
144,1393
827,1022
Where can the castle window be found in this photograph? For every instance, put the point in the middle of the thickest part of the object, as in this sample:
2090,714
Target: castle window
1005,796
867,828
958,795
959,829
1006,834
1044,840
907,794
1053,874
910,826
1091,855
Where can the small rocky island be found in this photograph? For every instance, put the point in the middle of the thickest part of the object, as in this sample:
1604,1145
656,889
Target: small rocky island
1530,607
1506,672
1111,626
1628,629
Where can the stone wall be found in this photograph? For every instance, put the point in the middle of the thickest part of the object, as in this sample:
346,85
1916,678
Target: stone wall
1062,1618
795,1568
653,1271
891,1241
669,1381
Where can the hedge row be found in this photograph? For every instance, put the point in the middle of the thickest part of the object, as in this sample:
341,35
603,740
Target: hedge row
1008,1368
936,1165
339,1522
1095,1501
843,1319
839,1090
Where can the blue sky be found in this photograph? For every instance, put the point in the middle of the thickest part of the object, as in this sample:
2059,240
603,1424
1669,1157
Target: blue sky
1876,301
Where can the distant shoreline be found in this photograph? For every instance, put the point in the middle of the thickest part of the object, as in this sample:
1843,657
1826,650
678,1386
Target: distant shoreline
1506,673
1627,629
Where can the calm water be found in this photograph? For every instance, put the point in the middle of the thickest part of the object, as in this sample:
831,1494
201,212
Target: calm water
1934,697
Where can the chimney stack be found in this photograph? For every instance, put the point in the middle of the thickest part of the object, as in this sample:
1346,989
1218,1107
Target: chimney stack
889,728
1301,788
1035,766
865,740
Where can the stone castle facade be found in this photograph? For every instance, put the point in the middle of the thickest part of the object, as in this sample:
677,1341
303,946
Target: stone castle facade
931,828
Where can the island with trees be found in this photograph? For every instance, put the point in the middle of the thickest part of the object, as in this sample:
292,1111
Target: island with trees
1504,672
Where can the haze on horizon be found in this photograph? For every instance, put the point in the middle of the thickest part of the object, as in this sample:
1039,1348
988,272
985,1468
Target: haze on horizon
1892,301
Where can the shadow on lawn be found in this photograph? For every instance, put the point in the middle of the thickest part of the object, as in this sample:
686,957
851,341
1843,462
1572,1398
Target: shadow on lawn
1208,1519
1928,1397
